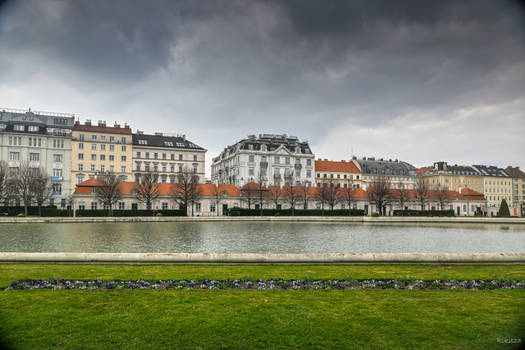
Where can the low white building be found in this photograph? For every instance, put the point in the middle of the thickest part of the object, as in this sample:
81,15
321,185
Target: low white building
267,159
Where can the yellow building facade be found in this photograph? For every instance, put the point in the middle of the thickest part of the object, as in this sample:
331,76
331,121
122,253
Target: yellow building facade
453,177
100,148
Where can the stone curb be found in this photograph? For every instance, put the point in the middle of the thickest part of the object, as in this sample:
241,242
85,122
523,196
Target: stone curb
229,258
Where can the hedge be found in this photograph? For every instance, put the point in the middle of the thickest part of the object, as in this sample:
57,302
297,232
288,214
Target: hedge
424,213
53,211
33,211
296,212
138,212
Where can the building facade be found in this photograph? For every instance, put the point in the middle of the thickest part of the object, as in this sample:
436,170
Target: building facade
497,185
453,177
100,148
341,174
216,200
400,174
166,156
41,140
267,159
518,189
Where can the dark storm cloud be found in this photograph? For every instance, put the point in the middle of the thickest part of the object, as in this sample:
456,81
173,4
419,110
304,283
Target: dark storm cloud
238,67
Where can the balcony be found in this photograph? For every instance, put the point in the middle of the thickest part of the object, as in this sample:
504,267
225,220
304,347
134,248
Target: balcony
57,193
57,178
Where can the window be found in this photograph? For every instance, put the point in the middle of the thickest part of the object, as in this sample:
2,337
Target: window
308,173
14,155
163,155
163,168
112,139
32,128
112,168
111,158
93,157
195,169
155,155
102,157
93,205
103,138
57,172
308,162
251,158
155,168
92,167
18,128
123,148
287,160
147,155
121,205
123,169
102,147
195,158
123,158
164,205
197,207
57,189
111,148
251,171
80,167
172,156
180,168
212,208
102,168
94,146
34,157
80,146
80,179
277,160
81,156
81,137
180,156
123,140
93,137
143,142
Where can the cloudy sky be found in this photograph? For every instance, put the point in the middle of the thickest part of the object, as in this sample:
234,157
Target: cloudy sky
420,81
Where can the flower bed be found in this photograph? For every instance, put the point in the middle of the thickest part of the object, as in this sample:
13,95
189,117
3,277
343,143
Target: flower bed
258,284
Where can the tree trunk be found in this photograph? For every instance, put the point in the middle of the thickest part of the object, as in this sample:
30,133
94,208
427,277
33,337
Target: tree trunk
40,210
110,210
25,209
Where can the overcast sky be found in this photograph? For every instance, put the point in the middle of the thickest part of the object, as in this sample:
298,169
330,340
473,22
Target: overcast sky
420,81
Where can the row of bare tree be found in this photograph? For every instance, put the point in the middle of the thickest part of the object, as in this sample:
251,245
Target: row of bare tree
381,194
24,184
184,192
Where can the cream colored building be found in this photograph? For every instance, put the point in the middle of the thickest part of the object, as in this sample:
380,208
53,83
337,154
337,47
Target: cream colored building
100,148
452,177
341,174
518,190
497,185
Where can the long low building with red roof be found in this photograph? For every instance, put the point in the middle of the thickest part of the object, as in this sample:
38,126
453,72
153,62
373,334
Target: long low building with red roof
215,200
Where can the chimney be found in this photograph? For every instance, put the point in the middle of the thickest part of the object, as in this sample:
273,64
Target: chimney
126,126
343,161
140,132
88,122
326,160
117,125
158,134
184,137
101,123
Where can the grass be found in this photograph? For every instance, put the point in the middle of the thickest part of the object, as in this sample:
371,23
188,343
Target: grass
375,319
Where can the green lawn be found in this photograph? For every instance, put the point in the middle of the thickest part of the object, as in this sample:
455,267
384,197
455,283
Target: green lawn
240,319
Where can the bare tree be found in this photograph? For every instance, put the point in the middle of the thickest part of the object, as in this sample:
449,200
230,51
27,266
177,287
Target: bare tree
442,196
3,181
379,193
302,193
147,189
421,192
249,194
328,194
21,184
401,195
275,195
261,192
41,188
291,195
186,191
108,190
217,197
347,195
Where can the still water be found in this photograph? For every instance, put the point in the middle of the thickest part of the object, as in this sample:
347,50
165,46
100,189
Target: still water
262,237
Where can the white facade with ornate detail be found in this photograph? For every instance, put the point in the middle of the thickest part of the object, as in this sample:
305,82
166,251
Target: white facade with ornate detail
273,160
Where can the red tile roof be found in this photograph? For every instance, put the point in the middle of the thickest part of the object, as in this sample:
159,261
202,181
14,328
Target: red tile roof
340,167
126,130
515,172
422,171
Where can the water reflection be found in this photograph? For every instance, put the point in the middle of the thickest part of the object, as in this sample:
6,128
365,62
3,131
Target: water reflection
262,237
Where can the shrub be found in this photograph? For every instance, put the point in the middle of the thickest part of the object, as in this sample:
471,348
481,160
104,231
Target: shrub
424,212
504,209
296,212
375,215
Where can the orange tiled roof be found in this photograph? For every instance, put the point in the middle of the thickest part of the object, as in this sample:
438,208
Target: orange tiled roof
102,129
515,172
422,171
340,167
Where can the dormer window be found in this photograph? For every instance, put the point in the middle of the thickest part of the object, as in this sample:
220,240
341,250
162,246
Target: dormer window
143,142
